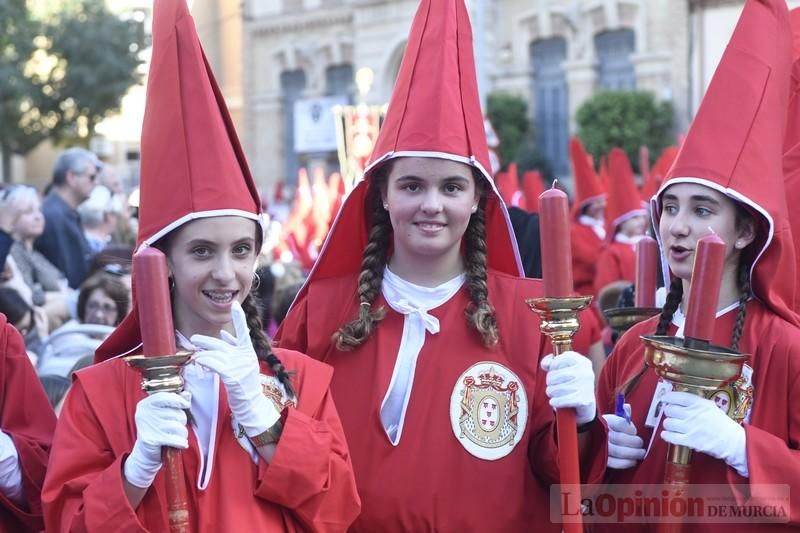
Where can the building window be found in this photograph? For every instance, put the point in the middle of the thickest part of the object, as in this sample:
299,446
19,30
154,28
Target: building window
615,68
293,82
550,96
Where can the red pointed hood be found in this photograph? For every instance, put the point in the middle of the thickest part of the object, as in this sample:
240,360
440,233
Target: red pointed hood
532,187
735,142
434,112
192,163
644,168
791,145
623,196
657,173
587,184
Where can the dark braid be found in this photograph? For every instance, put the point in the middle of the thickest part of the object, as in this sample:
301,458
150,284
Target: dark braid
674,297
262,345
744,285
479,313
356,331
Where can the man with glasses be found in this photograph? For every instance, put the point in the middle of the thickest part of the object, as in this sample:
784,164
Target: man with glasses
63,241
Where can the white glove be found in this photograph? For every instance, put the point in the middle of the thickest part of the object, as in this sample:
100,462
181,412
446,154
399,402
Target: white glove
235,360
10,470
570,383
625,447
702,426
160,421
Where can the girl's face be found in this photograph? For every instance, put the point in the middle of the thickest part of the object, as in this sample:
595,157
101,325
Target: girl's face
211,261
30,220
430,202
690,211
634,226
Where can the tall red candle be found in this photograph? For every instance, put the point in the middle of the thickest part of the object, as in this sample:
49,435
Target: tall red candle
554,235
155,310
701,308
646,272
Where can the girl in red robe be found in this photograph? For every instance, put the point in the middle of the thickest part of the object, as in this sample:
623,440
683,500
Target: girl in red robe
727,179
27,422
265,450
418,302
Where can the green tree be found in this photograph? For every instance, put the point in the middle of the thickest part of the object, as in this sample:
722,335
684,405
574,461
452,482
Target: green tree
61,71
19,129
509,117
97,62
628,119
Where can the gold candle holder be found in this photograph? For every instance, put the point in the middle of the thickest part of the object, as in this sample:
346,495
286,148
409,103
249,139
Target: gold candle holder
162,373
559,321
621,319
559,318
695,370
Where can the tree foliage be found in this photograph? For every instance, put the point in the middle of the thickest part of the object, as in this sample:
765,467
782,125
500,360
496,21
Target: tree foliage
61,72
509,117
628,119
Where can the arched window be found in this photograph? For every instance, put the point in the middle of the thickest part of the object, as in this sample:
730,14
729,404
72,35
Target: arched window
550,95
615,68
293,82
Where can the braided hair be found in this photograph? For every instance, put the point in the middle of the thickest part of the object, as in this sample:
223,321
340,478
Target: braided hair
262,344
479,314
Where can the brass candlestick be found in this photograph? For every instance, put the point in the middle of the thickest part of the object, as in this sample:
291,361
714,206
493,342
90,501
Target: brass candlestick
621,319
164,373
698,370
559,321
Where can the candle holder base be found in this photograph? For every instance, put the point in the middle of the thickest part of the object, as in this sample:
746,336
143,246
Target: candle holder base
559,318
621,319
162,373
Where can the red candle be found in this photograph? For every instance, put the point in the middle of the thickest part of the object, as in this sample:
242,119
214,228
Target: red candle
556,252
701,308
155,309
646,272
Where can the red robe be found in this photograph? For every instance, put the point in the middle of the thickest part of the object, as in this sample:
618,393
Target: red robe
429,482
27,417
616,263
308,485
773,433
586,248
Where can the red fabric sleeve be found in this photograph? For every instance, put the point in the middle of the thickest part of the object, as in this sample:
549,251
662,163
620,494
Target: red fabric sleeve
83,490
27,417
310,473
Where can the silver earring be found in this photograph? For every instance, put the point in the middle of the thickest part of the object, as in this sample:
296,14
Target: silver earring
171,283
386,207
474,208
256,282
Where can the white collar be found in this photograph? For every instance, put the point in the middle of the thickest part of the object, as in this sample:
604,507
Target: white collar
679,319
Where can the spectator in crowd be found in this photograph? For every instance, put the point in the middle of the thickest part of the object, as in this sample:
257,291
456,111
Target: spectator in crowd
102,302
47,283
30,321
63,241
98,218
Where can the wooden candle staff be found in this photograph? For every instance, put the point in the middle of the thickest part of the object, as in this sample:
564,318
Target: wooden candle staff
161,366
558,312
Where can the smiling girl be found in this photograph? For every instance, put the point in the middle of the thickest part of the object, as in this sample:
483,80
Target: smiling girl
418,301
727,179
265,450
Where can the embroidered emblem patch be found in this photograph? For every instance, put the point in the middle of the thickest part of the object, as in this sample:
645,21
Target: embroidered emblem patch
488,410
736,400
273,389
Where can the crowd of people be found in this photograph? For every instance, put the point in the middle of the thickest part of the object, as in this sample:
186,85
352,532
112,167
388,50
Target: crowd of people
367,361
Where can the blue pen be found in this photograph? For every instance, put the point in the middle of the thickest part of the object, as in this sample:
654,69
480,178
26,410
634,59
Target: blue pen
619,408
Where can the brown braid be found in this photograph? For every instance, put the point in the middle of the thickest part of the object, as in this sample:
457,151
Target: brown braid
262,345
744,285
674,297
373,262
479,313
